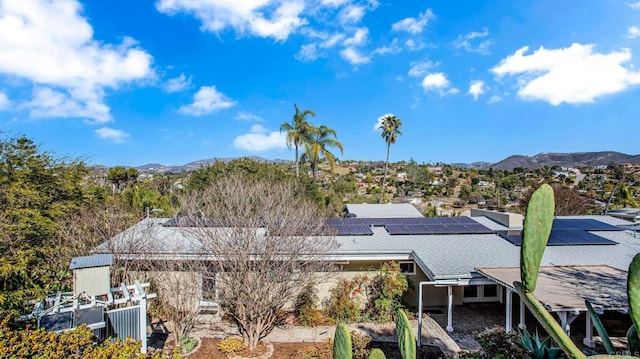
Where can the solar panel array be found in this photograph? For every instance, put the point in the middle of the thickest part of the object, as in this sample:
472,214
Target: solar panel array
407,226
569,232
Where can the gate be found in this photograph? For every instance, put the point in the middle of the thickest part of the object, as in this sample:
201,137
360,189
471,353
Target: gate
123,323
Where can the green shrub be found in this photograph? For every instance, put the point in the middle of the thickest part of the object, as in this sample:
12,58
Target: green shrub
187,344
73,344
386,290
496,343
343,305
360,345
306,308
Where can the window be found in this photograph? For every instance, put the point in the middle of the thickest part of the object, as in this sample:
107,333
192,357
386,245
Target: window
471,291
408,268
490,291
208,292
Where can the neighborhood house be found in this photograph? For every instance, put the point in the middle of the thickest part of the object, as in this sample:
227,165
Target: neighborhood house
450,261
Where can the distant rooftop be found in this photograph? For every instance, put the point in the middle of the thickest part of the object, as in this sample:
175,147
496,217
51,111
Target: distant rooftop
389,210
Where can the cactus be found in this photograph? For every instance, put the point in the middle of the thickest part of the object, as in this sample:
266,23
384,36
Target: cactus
597,323
535,235
406,338
342,343
633,293
377,354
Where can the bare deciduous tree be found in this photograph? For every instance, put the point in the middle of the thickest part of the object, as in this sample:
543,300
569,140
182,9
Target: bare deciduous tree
266,243
569,202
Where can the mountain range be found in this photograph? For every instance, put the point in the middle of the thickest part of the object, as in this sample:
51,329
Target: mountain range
572,159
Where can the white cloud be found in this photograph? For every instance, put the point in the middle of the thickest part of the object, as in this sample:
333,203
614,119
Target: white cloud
49,103
635,5
260,139
420,68
438,82
334,3
413,45
358,38
4,101
178,84
54,35
248,116
476,88
351,14
574,74
111,134
466,41
494,99
354,56
331,41
393,48
413,25
307,53
376,127
207,100
633,32
260,18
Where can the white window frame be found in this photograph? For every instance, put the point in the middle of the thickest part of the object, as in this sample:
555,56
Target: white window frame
413,266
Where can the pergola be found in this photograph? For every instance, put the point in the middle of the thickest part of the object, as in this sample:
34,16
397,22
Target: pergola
563,289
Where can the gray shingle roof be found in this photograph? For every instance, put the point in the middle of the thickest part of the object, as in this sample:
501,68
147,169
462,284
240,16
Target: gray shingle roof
442,256
96,260
389,210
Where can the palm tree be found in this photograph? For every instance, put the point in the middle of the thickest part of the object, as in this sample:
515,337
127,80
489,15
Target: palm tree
390,126
322,137
298,132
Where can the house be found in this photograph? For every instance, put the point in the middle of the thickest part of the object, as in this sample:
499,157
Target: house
448,260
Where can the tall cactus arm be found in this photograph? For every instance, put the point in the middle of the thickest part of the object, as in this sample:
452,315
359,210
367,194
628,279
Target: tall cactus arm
633,293
549,323
535,235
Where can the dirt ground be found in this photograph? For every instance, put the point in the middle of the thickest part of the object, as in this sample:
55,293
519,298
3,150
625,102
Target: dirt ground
209,350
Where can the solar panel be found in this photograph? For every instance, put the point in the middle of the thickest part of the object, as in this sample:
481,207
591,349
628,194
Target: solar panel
561,237
515,237
360,230
457,228
584,224
465,220
397,229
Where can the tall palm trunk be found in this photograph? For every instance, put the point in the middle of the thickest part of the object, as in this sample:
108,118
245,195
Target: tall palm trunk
384,178
313,171
297,164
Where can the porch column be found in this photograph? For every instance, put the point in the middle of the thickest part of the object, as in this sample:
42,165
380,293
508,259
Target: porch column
588,338
566,318
450,309
419,314
508,325
522,324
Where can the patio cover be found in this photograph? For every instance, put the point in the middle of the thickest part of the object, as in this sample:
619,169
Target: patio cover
563,290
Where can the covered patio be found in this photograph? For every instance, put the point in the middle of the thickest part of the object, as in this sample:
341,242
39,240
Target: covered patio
563,290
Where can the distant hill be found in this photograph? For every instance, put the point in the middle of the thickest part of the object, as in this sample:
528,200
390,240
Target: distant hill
192,166
574,159
480,164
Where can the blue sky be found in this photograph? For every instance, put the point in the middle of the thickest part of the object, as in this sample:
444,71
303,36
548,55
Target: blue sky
172,81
